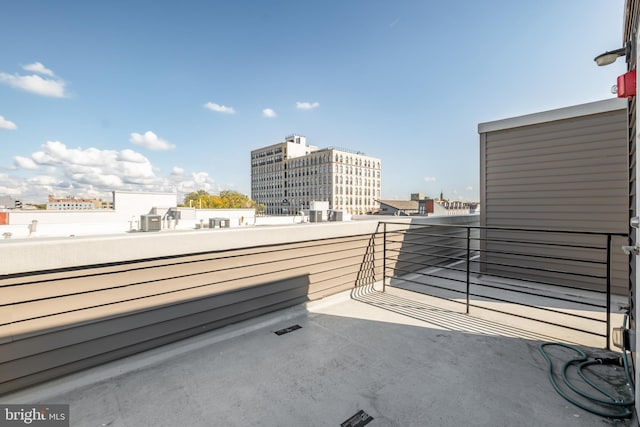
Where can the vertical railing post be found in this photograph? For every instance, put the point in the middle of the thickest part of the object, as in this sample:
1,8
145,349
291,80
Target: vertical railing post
608,291
468,263
384,255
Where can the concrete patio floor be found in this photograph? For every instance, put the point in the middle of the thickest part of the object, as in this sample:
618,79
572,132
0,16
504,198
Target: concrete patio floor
580,313
402,358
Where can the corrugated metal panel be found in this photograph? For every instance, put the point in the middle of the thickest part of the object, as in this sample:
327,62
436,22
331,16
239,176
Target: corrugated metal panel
434,246
568,174
587,258
630,30
53,323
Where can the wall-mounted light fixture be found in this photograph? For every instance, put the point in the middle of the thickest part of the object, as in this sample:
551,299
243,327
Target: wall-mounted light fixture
626,87
611,56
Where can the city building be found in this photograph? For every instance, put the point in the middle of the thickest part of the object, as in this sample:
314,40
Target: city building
7,202
398,207
286,177
447,207
421,205
72,203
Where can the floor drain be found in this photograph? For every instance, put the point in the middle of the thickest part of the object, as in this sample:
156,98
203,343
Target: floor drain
360,419
287,330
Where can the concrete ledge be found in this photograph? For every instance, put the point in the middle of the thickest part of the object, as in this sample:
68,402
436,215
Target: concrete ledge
28,255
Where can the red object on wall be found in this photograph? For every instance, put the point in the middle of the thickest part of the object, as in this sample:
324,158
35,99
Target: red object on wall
430,206
627,85
4,218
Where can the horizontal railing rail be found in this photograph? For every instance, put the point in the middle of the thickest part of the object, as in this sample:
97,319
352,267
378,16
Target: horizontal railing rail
553,275
57,321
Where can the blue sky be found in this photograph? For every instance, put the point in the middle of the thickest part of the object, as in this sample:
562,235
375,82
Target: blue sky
173,96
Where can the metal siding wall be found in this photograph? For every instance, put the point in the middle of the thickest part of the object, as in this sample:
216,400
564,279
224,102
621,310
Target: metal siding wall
54,323
632,208
483,197
410,249
567,174
631,27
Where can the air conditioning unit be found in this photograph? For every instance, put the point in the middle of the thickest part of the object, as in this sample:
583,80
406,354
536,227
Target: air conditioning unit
336,216
315,216
150,222
219,222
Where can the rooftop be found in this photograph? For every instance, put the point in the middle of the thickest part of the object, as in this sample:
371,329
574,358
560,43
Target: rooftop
408,321
401,204
402,358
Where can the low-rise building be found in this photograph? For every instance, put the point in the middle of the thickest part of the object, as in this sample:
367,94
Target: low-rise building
72,203
7,202
421,205
398,207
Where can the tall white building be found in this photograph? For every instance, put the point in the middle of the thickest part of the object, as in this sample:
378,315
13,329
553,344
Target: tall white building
286,177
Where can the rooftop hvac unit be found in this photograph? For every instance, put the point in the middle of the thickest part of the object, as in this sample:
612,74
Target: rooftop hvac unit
219,222
336,216
150,222
315,216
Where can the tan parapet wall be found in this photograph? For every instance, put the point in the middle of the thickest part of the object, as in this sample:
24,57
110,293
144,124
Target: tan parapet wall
69,304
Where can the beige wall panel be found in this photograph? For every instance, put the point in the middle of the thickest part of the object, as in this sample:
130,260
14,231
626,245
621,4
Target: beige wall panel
63,321
567,174
112,353
170,278
78,332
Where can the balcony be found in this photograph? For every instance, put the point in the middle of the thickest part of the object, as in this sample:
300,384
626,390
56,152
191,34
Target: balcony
413,323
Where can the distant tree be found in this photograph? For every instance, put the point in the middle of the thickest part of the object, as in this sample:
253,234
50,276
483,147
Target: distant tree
235,200
227,199
194,198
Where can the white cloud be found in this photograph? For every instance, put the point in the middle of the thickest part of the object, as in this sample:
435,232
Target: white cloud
197,181
430,179
25,163
219,108
7,124
151,141
469,188
55,153
127,155
202,178
268,112
94,178
93,167
44,180
11,186
307,105
92,172
37,67
53,87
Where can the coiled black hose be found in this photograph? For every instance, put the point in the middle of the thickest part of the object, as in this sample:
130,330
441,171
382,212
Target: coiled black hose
620,408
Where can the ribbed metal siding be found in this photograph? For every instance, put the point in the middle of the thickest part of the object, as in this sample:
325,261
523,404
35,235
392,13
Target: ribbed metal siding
56,322
413,249
568,174
632,208
632,14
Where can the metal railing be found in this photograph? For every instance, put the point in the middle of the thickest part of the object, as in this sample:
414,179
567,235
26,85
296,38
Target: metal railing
557,278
